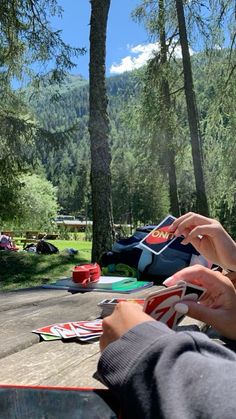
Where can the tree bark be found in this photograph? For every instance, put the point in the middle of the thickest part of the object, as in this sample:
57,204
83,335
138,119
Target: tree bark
193,120
168,131
99,132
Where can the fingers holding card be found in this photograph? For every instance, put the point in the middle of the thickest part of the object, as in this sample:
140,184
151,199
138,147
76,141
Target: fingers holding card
160,305
160,237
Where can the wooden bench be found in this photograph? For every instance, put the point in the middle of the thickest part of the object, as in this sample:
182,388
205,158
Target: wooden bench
31,234
30,237
51,236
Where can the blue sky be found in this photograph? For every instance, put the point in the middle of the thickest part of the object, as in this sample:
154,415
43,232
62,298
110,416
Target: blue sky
128,46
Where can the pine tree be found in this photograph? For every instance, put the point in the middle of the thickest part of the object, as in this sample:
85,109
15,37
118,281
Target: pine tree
99,132
193,119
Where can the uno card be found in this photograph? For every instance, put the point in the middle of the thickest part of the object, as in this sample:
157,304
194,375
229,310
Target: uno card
46,337
90,337
91,325
106,301
88,330
48,330
70,330
159,238
191,292
160,305
187,248
81,333
66,330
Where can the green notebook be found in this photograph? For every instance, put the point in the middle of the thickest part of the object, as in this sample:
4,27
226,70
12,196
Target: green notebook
105,284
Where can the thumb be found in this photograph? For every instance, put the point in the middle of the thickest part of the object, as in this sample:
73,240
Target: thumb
197,311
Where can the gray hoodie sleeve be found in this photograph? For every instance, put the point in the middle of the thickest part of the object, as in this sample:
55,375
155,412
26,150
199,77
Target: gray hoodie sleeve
158,373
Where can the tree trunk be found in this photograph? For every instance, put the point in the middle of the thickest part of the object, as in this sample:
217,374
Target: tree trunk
168,131
202,205
99,132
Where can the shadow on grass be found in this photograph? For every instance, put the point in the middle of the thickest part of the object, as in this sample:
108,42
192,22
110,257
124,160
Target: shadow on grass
23,269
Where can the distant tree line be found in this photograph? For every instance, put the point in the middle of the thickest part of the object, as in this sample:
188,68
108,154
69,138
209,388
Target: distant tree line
140,159
162,158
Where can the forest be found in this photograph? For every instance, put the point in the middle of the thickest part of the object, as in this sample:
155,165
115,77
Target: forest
170,125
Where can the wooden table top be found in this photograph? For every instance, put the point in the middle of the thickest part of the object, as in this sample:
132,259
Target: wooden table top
25,360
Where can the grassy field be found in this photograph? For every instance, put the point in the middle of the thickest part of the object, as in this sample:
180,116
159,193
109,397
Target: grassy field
23,269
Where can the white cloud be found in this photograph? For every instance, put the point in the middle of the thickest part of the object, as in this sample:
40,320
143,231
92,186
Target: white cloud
140,55
129,63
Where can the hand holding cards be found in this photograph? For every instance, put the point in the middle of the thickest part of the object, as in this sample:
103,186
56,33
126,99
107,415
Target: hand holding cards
108,305
160,304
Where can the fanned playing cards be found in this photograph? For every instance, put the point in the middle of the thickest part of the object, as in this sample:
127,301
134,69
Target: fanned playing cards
81,330
160,304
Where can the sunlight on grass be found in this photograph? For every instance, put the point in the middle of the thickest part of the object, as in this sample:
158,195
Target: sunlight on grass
24,269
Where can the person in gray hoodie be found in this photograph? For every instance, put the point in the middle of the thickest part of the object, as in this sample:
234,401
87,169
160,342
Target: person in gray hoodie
156,372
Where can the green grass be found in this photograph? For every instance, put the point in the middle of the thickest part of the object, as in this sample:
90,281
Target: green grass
24,269
82,246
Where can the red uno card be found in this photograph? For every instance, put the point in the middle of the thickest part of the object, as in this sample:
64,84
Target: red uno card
91,325
48,330
160,305
85,333
66,330
159,238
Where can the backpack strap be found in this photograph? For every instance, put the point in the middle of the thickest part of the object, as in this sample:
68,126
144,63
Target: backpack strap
146,260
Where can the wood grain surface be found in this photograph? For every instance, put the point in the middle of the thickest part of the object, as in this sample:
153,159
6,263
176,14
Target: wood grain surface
24,359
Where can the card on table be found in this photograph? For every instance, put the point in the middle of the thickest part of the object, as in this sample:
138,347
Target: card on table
48,330
46,337
159,238
70,330
89,338
92,325
66,330
79,329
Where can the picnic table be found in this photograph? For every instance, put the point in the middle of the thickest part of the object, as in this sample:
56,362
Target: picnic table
35,236
25,360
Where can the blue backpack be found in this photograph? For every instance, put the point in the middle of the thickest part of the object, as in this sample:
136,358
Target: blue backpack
150,266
